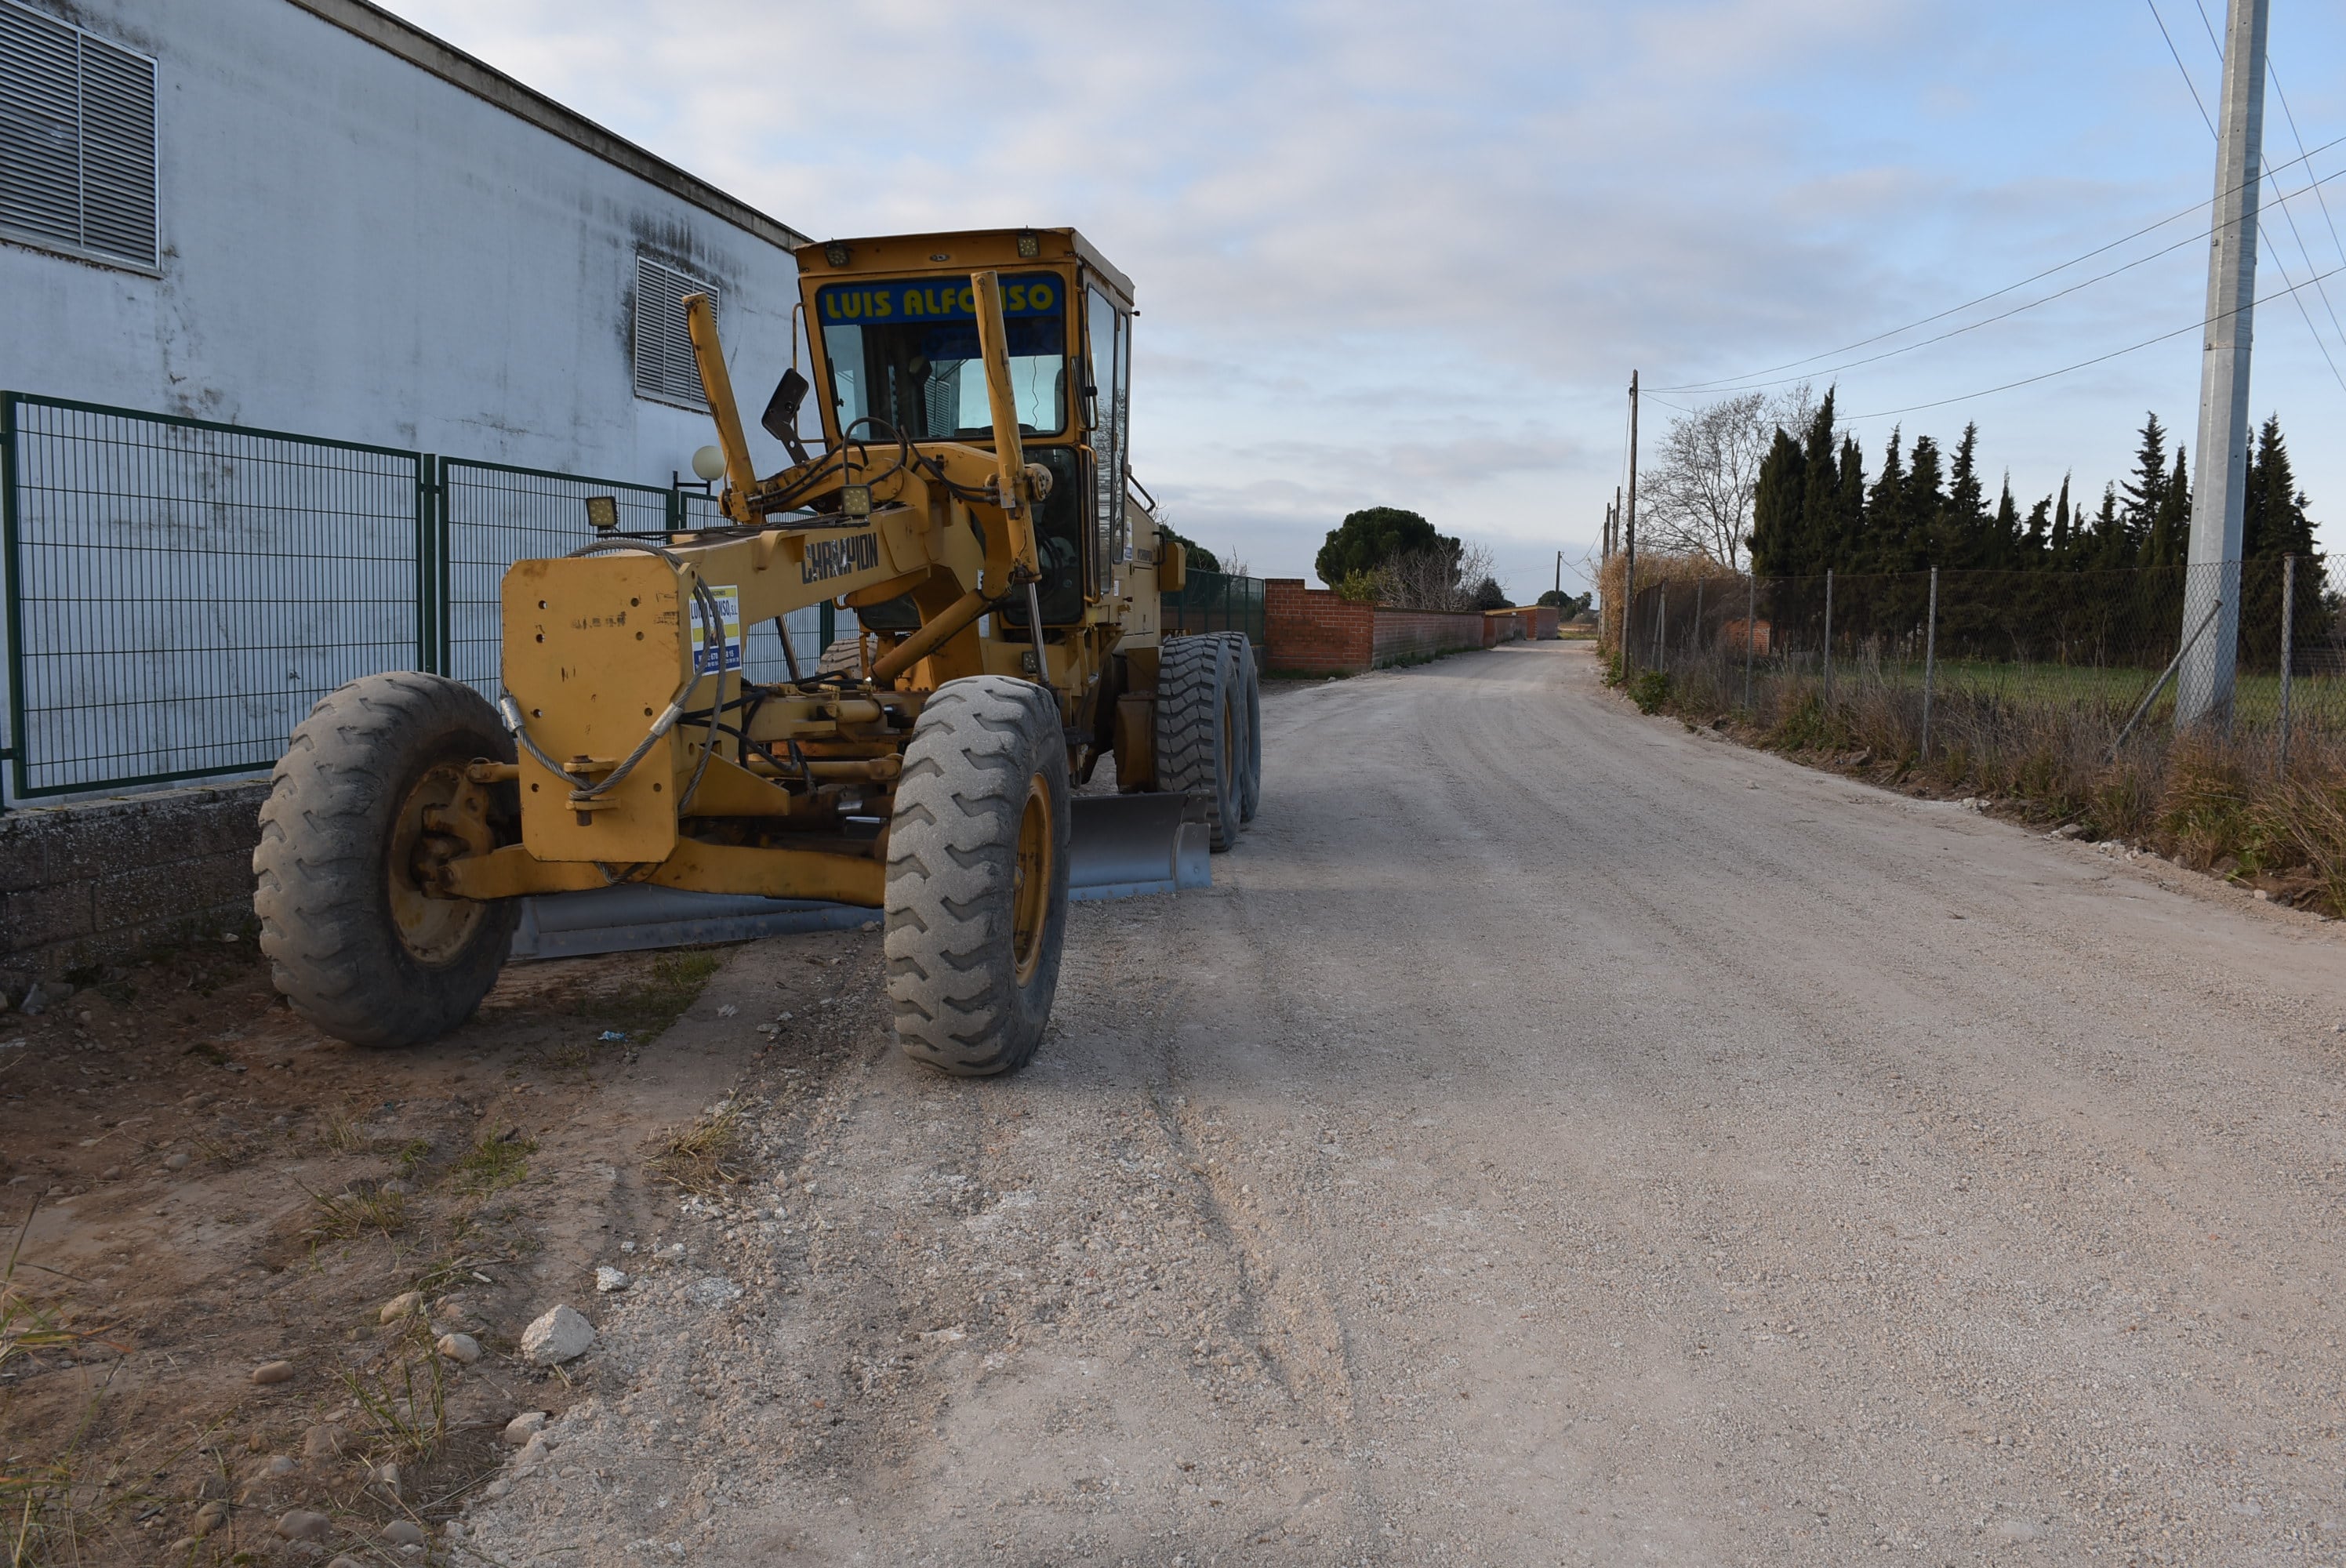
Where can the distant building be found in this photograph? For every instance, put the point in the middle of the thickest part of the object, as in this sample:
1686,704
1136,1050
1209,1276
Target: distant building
307,215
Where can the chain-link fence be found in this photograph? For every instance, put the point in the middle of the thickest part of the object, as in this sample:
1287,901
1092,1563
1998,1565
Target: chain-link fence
1216,602
2006,668
494,514
180,593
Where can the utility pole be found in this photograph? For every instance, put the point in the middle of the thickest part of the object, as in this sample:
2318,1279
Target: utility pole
2203,692
1559,574
1629,529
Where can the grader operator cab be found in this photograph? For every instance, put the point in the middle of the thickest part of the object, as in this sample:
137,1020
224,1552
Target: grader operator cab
971,505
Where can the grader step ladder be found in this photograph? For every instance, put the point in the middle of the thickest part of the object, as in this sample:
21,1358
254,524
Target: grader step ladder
970,504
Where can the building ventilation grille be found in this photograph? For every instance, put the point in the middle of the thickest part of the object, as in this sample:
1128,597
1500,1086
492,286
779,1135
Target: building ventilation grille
76,140
665,368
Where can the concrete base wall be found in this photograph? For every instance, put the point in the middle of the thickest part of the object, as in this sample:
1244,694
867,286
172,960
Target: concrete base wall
106,881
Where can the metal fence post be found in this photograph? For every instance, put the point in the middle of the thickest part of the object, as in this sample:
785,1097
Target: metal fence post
9,565
430,647
1750,631
1629,611
2287,646
1930,661
1694,633
1829,586
1661,628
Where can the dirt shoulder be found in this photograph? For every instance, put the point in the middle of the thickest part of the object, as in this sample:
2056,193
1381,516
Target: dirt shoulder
213,1186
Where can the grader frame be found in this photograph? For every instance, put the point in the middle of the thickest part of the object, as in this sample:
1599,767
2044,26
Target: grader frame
927,770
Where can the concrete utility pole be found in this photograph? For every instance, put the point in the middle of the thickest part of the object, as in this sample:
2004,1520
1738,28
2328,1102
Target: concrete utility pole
1629,529
2203,692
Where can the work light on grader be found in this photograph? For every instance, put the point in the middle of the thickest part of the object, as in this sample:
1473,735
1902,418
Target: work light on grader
971,504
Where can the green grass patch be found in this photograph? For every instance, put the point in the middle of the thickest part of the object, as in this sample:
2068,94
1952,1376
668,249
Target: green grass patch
497,1161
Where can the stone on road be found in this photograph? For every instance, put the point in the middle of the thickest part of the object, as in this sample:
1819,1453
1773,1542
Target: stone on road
1539,1145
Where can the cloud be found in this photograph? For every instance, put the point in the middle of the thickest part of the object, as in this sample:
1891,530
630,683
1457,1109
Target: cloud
1388,249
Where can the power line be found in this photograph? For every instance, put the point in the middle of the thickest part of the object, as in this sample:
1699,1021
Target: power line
2302,248
1995,294
2273,250
2199,326
2001,316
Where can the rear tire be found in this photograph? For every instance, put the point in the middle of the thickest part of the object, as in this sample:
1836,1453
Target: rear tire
843,656
1200,730
354,941
977,877
1249,690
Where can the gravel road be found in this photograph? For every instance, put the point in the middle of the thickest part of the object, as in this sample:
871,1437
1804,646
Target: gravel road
1559,1137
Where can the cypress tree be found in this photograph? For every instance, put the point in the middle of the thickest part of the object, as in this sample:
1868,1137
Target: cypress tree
1777,534
1883,546
1962,538
1820,531
1926,507
2170,527
2065,542
2002,552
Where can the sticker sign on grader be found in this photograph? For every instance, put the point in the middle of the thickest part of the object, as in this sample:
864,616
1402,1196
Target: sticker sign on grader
938,299
728,618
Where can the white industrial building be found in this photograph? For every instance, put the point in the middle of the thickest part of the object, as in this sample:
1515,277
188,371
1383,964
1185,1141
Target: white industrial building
307,215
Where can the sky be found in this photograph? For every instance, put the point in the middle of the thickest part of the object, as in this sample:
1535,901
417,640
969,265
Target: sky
1406,254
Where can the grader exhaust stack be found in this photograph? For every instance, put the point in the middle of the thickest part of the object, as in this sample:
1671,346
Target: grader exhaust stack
969,505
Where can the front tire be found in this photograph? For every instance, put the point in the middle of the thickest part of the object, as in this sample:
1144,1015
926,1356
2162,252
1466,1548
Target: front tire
977,877
356,942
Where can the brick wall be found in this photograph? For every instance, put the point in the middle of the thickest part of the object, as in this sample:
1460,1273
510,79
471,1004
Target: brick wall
108,880
1422,634
1311,631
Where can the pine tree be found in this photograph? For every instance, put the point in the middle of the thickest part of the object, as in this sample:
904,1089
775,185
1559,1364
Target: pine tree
2273,524
2273,521
2145,492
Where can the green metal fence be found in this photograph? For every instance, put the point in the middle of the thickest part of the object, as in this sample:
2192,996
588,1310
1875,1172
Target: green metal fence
1216,602
181,593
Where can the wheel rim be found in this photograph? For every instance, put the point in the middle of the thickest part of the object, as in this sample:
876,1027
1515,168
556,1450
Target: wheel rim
1030,881
433,930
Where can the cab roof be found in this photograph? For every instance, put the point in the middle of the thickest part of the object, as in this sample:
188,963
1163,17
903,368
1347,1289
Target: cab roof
959,250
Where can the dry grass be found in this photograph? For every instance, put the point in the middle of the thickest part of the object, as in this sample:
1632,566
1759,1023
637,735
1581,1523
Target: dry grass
2205,802
339,1216
704,1156
53,1510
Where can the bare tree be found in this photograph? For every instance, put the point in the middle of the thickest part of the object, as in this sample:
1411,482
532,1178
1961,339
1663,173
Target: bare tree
1435,579
1700,488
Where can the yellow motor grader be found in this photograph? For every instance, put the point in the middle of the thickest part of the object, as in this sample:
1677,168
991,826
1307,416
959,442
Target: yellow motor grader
971,505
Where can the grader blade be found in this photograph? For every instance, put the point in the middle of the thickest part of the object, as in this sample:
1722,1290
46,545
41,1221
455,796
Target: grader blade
1125,845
